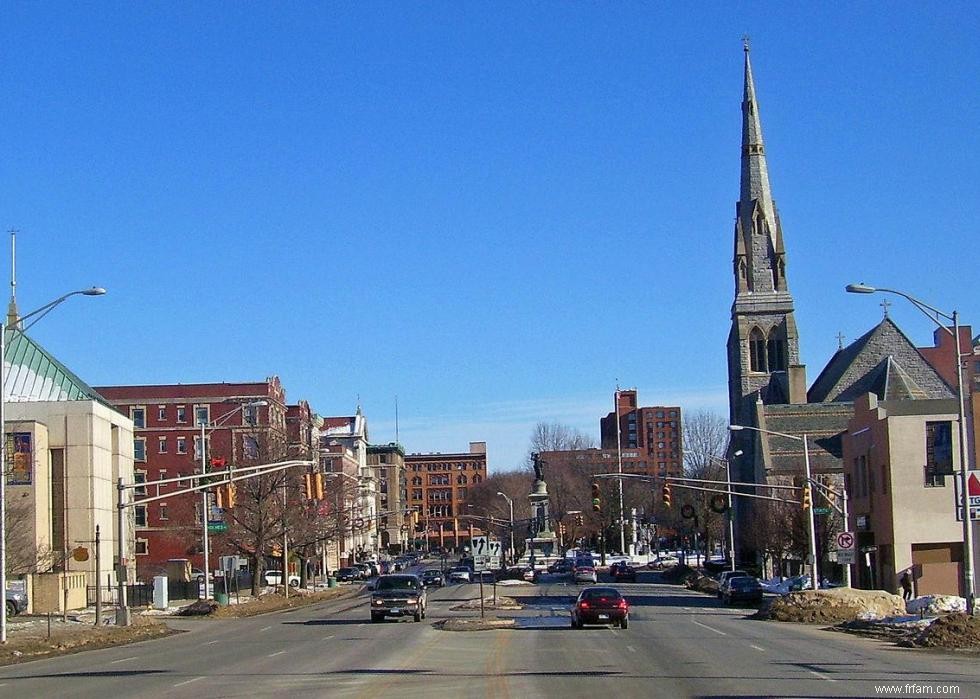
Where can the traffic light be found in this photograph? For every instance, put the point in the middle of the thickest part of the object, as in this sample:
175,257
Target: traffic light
229,496
807,503
219,497
318,486
667,494
308,485
596,500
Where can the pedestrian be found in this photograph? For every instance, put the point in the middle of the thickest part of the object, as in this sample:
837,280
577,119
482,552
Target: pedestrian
906,583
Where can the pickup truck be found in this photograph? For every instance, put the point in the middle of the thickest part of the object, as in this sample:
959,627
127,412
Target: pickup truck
398,595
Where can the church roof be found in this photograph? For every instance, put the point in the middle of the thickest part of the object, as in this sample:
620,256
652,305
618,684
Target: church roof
32,374
883,361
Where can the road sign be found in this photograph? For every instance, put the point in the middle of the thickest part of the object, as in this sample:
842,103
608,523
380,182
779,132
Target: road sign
974,492
493,549
494,562
821,510
481,563
217,527
846,553
480,546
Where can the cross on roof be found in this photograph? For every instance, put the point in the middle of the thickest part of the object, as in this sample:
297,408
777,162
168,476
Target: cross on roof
840,341
885,304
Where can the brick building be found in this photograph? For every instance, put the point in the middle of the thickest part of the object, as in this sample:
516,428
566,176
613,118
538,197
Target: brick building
386,463
650,438
437,489
167,423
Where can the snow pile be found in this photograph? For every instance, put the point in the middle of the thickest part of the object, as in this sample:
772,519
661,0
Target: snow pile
833,606
936,604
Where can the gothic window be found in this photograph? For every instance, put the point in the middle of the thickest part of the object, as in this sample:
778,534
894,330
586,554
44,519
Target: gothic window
757,350
776,353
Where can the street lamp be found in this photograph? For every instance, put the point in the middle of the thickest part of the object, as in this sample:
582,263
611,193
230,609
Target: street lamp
205,496
814,579
510,504
18,325
934,314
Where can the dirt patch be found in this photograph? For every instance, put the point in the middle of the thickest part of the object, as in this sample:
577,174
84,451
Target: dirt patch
275,601
473,624
678,574
508,603
832,606
31,644
702,583
952,631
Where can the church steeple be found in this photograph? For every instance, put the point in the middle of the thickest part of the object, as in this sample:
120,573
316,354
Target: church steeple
763,345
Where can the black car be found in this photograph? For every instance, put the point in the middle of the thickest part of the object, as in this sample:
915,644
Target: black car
433,578
348,574
742,589
622,572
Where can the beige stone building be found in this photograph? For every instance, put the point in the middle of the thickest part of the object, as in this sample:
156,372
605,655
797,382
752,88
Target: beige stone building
66,450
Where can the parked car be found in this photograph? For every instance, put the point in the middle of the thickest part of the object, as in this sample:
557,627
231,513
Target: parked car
600,605
485,576
16,602
398,595
724,575
584,574
433,578
348,575
622,572
562,566
459,574
664,561
743,588
274,577
365,570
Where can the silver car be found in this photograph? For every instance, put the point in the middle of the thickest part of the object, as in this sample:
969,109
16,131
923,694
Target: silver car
584,574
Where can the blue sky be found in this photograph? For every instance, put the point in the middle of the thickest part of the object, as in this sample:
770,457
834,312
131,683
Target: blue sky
492,210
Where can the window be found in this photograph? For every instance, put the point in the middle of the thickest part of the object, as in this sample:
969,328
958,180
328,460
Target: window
164,512
202,415
139,449
757,351
162,445
139,477
142,547
461,479
181,413
416,493
197,447
933,479
138,416
181,445
461,493
162,414
250,415
939,448
776,354
140,512
250,447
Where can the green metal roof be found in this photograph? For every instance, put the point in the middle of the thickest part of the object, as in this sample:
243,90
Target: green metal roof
32,374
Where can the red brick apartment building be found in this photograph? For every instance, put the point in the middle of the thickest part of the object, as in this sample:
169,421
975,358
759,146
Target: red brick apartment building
167,443
437,488
650,438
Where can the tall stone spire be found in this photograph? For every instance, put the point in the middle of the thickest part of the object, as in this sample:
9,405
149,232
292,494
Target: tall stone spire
763,346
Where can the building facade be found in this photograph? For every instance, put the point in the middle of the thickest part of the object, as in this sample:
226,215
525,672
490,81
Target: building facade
438,485
168,421
651,438
386,462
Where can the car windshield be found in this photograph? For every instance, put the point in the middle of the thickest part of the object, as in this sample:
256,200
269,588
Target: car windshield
397,582
744,583
600,592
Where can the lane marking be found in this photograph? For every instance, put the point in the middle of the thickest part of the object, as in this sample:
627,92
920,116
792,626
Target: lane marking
705,626
265,628
763,650
123,660
272,655
181,684
211,643
631,649
822,676
327,638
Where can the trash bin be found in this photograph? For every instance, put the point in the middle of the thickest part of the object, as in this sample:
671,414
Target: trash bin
221,598
331,582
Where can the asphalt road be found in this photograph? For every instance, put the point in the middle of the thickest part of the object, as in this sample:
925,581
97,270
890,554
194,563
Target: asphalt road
679,643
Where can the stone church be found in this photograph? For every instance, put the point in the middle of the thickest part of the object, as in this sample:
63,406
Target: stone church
766,377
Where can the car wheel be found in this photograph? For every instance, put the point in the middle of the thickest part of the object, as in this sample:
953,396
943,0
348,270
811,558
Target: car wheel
11,609
573,623
423,612
418,616
624,623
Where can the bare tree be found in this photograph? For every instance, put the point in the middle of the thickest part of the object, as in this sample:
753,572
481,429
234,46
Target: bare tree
556,437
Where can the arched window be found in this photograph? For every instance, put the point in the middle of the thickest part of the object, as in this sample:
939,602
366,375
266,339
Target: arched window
416,481
776,353
757,350
477,478
461,479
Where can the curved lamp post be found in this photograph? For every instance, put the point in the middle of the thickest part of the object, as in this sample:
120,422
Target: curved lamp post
36,314
936,316
510,503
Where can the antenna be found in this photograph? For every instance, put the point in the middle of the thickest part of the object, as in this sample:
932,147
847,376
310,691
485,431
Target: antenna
13,317
396,420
